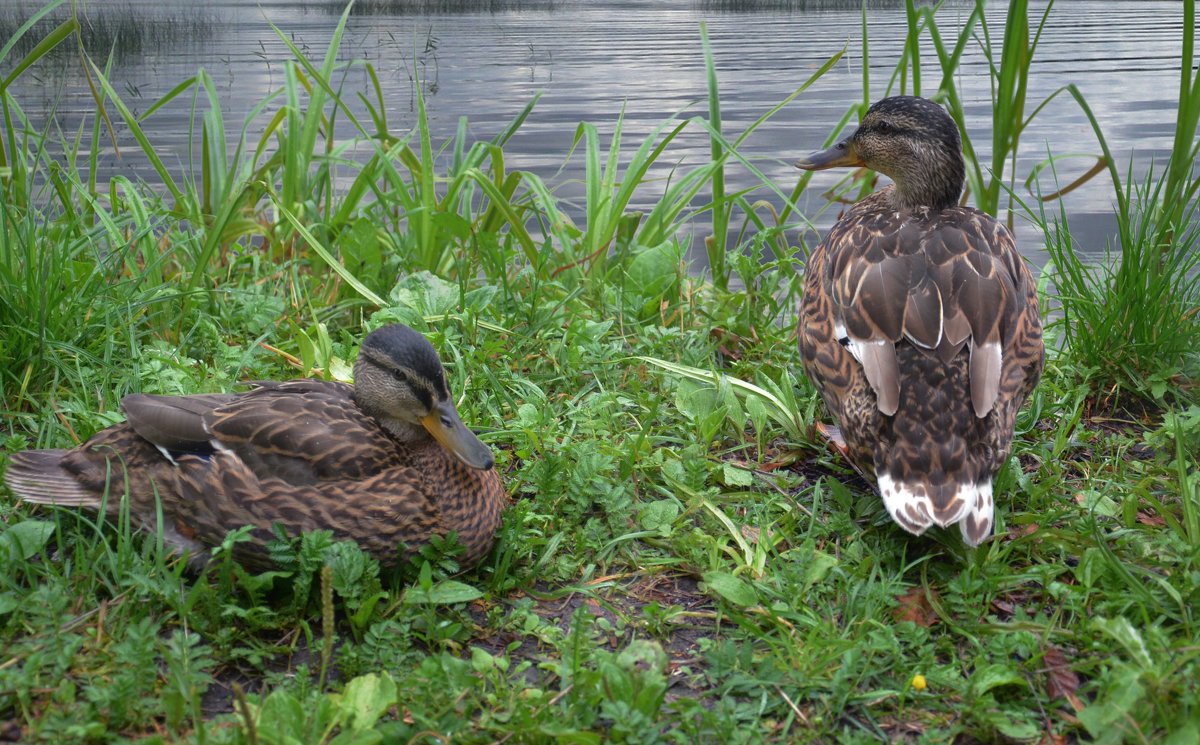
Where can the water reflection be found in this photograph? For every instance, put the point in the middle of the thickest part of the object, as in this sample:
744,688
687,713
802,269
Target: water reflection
436,7
804,6
593,59
130,32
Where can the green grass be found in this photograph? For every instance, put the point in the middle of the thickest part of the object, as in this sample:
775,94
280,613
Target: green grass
1132,321
682,561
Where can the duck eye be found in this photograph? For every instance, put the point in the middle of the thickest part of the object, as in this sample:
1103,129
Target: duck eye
884,125
400,376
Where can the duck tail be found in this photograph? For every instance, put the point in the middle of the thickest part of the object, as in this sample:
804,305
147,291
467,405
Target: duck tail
917,504
38,476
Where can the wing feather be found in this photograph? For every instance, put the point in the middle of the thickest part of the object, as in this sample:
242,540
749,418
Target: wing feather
940,282
174,423
303,433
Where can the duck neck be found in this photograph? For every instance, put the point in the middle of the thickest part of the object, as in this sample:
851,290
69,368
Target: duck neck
936,183
409,433
402,431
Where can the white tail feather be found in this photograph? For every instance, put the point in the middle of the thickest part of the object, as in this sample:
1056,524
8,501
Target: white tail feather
911,508
976,525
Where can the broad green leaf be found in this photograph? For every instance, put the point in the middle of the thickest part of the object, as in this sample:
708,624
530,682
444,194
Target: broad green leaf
659,514
734,476
818,567
426,293
654,269
448,592
9,602
644,656
1010,725
340,370
733,589
1121,693
365,699
757,411
359,737
25,539
993,676
1121,630
482,661
281,718
1188,734
1101,503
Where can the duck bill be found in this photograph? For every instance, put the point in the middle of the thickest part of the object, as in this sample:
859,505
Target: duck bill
842,154
448,429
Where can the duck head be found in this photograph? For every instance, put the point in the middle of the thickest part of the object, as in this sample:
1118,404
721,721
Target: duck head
910,140
399,380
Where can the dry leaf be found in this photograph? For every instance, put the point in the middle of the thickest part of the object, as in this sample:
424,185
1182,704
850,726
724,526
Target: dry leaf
914,606
1003,608
1061,680
1022,531
728,343
776,463
1148,518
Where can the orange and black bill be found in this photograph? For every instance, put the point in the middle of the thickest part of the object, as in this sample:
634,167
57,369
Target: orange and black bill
841,154
448,429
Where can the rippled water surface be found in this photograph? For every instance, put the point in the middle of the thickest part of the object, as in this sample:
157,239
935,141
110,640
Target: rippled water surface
592,58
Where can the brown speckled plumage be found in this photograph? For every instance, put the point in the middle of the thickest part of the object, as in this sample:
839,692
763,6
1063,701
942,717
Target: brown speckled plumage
301,454
919,324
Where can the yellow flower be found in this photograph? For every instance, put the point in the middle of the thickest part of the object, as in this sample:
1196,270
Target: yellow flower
918,682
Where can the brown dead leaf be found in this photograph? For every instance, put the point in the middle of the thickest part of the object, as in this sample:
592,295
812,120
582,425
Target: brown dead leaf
10,731
1003,608
1149,518
914,606
728,343
1022,531
1061,680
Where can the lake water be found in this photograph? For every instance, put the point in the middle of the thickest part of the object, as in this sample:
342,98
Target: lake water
591,58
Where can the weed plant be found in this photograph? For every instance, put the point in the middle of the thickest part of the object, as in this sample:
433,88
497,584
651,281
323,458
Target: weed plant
681,562
1133,321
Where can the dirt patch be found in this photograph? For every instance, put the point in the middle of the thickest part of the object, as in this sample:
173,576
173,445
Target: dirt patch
220,698
669,608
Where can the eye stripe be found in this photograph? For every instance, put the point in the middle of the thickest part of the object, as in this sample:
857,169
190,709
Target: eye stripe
424,396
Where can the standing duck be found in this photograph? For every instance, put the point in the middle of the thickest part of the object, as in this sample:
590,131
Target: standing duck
384,462
919,324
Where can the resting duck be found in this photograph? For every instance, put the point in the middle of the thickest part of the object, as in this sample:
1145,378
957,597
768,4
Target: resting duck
383,462
919,324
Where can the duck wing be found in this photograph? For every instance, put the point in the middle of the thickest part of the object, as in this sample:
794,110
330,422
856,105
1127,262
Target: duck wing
891,301
174,424
938,282
302,432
